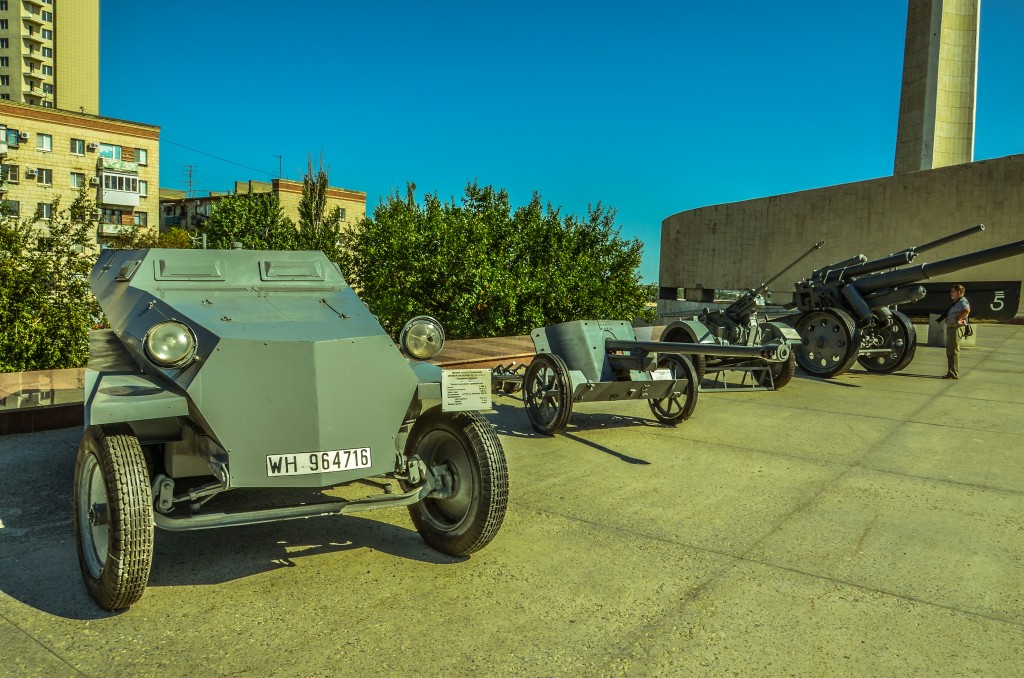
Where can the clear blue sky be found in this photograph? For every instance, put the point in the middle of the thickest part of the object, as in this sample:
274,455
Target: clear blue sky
652,108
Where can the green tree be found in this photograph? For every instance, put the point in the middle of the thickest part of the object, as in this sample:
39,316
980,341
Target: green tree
253,219
46,306
485,270
319,227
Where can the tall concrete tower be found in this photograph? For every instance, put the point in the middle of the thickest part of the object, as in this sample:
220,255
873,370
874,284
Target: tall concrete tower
940,75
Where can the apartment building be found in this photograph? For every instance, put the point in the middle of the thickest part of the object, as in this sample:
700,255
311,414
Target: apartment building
50,53
191,213
48,153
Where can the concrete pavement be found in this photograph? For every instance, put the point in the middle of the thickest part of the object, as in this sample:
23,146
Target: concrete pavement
868,525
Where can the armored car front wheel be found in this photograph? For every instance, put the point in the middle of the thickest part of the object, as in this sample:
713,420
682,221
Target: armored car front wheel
464,454
676,407
547,393
113,514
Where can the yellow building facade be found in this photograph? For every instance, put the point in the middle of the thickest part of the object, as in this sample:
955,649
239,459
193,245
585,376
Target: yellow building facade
352,203
50,53
47,153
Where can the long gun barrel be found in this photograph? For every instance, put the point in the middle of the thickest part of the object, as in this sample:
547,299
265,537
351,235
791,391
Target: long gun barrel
914,274
946,239
769,352
745,305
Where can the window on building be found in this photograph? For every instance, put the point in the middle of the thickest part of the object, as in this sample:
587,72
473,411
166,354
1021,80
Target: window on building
47,52
143,187
47,104
78,146
141,156
140,219
111,151
77,180
47,69
341,213
45,210
110,216
47,88
3,24
5,43
5,96
3,5
5,62
120,182
47,16
10,173
44,176
14,208
47,34
44,142
13,137
5,80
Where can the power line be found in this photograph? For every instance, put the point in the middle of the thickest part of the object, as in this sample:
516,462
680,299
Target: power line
211,155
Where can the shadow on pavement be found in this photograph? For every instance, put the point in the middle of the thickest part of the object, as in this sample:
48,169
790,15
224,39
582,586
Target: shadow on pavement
39,560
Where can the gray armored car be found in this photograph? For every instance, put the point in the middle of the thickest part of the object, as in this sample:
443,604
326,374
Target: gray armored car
228,369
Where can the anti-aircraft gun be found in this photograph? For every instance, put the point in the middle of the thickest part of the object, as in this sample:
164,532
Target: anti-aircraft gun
228,369
737,325
848,309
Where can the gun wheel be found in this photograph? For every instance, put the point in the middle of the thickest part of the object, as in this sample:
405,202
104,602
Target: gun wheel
547,393
900,338
113,514
699,362
462,450
782,372
676,407
830,342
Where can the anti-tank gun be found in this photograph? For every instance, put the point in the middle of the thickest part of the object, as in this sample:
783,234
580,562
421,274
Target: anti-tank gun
602,360
848,309
228,369
738,325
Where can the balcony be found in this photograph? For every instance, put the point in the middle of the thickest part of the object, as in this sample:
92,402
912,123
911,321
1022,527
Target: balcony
107,196
35,37
118,165
32,18
112,229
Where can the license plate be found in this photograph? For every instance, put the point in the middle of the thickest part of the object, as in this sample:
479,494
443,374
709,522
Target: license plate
318,462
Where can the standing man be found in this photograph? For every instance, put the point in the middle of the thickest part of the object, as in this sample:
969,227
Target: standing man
956,318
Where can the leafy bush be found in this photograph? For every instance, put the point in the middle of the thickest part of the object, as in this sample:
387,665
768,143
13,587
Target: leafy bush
485,270
46,306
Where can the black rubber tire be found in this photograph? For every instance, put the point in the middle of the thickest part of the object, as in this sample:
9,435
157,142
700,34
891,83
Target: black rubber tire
670,411
839,337
466,444
902,333
111,466
782,373
699,362
547,393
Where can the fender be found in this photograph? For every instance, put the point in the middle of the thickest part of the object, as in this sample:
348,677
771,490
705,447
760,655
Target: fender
697,332
776,329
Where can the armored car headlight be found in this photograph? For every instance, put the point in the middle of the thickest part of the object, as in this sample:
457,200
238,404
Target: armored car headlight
170,344
422,337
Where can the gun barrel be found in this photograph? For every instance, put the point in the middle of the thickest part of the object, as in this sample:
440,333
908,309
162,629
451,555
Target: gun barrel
914,274
769,352
947,239
876,265
763,287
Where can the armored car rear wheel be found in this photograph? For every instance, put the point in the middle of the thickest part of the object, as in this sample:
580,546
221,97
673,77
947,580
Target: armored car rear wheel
547,393
901,338
113,514
676,408
830,342
463,452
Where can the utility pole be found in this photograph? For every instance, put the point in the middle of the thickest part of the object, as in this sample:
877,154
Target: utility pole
188,172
